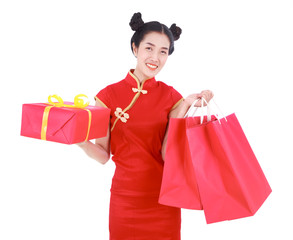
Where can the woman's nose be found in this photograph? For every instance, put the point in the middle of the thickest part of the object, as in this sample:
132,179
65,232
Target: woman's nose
154,56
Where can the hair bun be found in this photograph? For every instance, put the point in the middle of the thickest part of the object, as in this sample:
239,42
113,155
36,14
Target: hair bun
136,22
176,31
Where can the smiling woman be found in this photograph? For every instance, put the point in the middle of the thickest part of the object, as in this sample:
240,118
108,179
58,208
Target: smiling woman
151,54
140,111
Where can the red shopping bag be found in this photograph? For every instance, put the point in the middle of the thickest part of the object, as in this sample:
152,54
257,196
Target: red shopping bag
179,186
231,182
210,165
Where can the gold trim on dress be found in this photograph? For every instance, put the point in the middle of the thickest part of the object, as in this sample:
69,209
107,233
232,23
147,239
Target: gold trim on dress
140,90
177,104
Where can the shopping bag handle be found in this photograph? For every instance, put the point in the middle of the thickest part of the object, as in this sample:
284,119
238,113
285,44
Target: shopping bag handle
192,110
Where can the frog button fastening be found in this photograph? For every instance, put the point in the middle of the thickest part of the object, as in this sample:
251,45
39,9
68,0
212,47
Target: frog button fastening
139,90
121,115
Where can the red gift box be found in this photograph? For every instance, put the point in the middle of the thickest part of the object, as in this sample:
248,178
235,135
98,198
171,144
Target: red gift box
64,123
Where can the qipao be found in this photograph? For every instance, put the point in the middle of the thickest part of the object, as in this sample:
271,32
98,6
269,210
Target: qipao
139,117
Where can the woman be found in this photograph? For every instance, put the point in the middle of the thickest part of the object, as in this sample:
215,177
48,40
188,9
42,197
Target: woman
140,109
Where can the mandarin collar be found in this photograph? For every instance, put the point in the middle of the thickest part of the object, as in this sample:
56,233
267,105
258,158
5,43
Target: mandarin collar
133,80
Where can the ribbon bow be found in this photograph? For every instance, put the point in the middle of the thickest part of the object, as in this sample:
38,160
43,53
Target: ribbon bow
78,101
139,90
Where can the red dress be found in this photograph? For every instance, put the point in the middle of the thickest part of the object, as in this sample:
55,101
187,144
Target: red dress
139,116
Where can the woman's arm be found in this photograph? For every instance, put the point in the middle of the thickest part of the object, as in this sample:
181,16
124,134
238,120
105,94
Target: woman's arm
181,109
100,150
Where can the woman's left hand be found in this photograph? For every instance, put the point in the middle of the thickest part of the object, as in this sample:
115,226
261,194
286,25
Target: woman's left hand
206,94
180,111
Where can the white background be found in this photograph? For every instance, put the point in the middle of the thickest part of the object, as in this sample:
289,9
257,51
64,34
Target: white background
242,50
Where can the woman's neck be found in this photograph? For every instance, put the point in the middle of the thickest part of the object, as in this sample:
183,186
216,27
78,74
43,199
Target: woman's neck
140,77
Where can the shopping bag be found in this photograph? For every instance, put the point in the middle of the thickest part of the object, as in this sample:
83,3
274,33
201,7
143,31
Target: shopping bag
231,182
179,187
224,177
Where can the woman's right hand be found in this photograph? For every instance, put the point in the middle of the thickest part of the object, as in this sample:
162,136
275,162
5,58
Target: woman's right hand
100,150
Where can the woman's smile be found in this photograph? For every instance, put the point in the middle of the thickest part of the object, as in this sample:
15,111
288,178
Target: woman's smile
152,66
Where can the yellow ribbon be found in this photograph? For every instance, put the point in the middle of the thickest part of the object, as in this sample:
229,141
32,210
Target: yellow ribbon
78,103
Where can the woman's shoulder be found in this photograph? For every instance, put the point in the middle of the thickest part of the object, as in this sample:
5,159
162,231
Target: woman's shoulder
166,86
171,92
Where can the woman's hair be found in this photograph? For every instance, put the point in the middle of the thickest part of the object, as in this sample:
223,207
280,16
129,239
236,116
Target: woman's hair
141,29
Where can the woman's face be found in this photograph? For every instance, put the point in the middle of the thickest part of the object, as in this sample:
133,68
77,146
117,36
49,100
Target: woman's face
151,54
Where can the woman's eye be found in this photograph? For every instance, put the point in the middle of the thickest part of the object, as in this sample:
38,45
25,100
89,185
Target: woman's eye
163,52
148,48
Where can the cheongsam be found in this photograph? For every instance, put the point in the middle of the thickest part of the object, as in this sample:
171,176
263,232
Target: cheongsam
139,118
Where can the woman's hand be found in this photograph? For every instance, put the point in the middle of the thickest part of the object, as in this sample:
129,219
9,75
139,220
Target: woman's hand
206,94
183,107
100,150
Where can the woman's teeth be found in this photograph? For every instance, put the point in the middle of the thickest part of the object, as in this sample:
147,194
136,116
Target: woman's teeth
151,66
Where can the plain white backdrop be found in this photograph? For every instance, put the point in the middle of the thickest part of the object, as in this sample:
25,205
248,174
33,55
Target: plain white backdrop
241,50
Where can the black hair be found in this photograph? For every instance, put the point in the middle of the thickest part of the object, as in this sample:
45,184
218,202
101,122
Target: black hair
141,29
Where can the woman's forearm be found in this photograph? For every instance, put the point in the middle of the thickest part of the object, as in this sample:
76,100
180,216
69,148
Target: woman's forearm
179,112
95,151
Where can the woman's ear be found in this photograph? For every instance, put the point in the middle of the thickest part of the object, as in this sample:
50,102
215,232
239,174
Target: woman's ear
134,49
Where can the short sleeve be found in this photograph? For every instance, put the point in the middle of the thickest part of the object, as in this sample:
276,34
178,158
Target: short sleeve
103,97
176,98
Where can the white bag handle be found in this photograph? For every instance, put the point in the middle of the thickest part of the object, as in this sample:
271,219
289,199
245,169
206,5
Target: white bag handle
192,110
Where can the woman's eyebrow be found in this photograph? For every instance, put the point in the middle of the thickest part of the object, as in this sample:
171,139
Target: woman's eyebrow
149,43
153,45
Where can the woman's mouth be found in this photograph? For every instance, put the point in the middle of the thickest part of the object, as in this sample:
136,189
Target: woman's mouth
152,66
